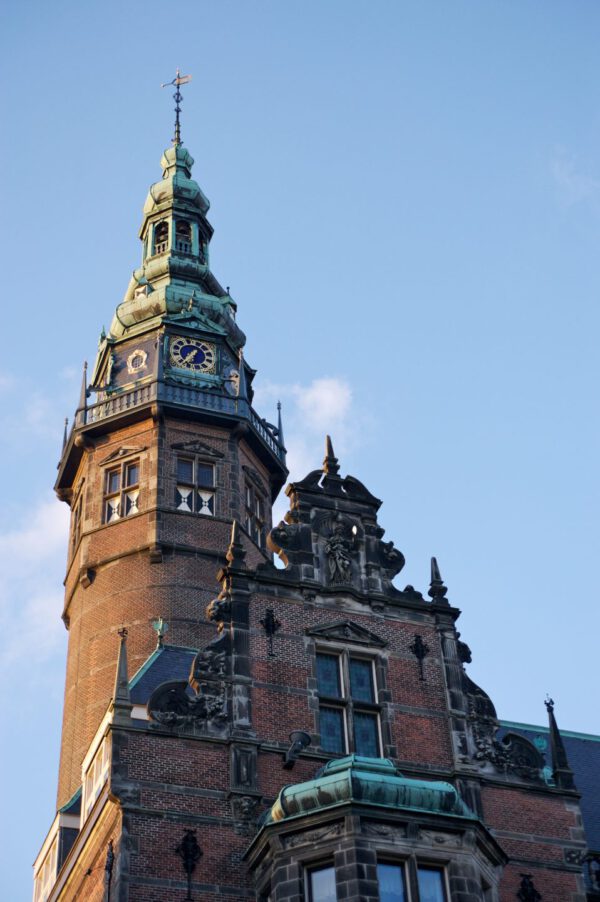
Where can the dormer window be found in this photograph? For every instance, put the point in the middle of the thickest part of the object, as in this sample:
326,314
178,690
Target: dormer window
161,237
183,236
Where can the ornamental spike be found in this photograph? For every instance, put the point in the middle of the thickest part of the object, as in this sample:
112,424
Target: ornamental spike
280,426
437,589
561,771
242,386
330,463
83,394
65,433
121,694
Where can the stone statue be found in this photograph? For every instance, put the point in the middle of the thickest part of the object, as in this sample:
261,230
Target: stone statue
338,549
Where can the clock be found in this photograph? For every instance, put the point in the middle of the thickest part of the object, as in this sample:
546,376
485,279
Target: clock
193,354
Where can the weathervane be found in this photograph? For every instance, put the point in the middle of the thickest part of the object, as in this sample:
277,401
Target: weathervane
177,97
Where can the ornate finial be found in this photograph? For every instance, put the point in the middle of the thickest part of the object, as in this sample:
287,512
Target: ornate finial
330,463
65,433
270,624
235,553
83,395
190,853
279,426
161,628
437,589
242,387
177,97
420,650
121,696
561,770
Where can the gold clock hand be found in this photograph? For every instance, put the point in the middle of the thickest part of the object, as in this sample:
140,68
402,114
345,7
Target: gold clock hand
190,356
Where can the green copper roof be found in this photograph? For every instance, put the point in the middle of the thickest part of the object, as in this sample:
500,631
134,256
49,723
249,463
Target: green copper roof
371,781
175,276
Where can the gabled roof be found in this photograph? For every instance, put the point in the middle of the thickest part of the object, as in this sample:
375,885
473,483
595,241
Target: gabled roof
583,752
171,662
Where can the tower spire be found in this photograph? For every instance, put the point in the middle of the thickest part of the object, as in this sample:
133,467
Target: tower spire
562,773
177,97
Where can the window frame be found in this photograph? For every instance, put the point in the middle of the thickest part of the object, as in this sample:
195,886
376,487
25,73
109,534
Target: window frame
255,520
345,702
196,485
310,869
123,490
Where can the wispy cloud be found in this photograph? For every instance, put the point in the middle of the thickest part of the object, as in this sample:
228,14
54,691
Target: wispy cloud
324,406
32,555
574,186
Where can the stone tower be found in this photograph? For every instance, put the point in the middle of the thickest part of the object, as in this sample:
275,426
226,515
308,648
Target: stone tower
236,730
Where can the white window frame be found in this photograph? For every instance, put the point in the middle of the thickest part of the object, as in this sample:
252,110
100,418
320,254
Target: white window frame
114,504
201,493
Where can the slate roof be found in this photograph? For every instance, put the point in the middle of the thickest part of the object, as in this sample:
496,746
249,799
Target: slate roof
171,662
583,752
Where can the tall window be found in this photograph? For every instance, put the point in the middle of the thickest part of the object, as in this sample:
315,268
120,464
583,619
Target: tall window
161,237
76,523
121,491
95,777
195,491
348,712
183,236
321,885
255,516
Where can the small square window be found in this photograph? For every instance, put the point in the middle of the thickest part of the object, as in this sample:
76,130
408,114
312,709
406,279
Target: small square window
185,470
332,730
328,675
132,474
206,475
361,680
365,734
113,481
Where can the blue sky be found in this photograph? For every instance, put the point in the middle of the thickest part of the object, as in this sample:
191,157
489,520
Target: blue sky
406,202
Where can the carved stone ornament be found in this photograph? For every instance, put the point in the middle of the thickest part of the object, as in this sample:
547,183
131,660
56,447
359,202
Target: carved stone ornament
219,611
312,837
244,810
347,631
339,550
527,891
201,702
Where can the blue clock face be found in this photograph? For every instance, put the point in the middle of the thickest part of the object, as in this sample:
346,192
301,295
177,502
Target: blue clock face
193,354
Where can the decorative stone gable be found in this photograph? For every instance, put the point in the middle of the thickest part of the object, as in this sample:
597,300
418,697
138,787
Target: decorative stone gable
331,537
347,631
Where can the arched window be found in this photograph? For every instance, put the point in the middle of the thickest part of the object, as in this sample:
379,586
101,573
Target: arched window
183,236
161,237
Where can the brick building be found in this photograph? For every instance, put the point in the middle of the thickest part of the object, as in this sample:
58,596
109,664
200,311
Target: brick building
236,729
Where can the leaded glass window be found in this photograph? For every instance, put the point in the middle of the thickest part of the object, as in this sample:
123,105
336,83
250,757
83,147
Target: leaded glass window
348,709
255,516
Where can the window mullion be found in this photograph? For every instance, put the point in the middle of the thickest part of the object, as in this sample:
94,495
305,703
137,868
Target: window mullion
347,696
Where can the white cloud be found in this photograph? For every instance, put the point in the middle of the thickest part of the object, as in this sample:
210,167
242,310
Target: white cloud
32,557
325,406
574,186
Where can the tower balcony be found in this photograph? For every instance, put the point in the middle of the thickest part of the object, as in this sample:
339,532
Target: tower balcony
185,401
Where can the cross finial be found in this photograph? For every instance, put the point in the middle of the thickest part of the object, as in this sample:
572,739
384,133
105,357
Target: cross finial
177,97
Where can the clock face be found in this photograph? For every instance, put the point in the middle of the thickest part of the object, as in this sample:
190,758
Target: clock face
193,354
